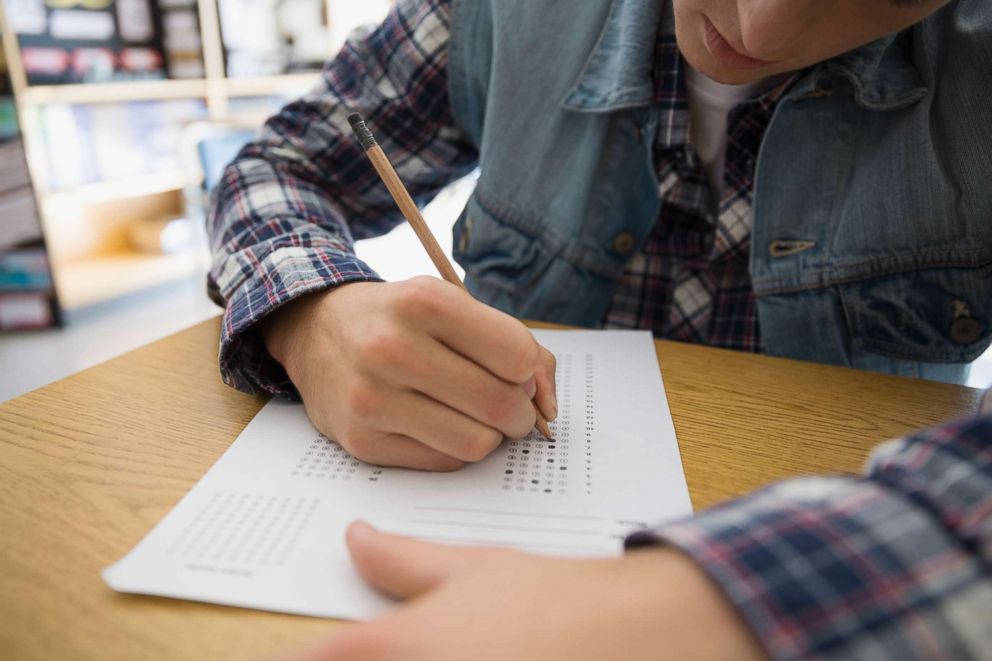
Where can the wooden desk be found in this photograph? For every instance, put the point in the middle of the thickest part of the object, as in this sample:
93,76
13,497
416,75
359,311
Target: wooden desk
89,464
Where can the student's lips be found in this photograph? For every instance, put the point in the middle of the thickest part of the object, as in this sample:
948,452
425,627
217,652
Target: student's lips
726,54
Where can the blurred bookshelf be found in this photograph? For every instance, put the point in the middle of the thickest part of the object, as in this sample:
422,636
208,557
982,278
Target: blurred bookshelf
108,92
27,288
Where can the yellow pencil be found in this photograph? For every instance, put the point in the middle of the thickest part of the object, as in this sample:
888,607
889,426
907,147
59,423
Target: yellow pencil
410,211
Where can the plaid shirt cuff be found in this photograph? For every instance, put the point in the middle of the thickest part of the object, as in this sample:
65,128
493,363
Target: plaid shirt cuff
890,566
284,275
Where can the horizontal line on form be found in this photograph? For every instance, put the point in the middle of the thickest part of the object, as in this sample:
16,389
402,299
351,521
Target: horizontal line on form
493,526
536,515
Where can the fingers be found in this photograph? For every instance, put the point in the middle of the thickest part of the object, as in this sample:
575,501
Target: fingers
492,339
389,426
440,427
443,375
397,566
398,450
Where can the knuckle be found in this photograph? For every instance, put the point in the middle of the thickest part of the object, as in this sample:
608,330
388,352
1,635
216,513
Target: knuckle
497,413
481,444
505,410
352,437
523,359
446,464
420,296
385,346
348,442
450,465
371,346
361,400
423,282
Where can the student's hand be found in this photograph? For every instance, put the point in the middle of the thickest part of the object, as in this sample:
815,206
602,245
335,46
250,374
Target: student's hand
480,603
415,373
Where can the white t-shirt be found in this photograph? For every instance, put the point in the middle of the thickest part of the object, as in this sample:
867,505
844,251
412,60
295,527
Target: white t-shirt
709,104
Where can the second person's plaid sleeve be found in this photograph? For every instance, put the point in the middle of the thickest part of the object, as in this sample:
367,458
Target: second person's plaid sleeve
288,209
894,565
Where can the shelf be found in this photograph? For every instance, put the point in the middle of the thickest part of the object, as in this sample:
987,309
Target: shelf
141,185
86,282
290,83
164,90
89,93
92,220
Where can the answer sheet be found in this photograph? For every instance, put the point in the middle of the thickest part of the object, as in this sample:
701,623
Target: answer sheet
264,528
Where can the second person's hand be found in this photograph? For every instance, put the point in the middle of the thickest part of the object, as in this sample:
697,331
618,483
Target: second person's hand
415,373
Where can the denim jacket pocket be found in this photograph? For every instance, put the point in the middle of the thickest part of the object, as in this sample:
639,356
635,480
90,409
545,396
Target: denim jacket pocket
931,316
497,252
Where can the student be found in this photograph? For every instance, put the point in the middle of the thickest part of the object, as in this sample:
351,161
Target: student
839,214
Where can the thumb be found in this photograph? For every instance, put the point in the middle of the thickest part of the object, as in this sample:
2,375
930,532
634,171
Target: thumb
397,566
547,399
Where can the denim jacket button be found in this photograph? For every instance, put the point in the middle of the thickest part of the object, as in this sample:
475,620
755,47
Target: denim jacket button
623,242
965,330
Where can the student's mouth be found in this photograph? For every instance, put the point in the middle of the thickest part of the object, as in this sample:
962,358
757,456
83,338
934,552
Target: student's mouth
726,54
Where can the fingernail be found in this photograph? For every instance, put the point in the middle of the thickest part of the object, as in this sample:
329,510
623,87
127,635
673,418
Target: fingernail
554,407
531,388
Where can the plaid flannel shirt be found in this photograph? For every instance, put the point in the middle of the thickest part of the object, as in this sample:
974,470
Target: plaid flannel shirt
691,282
896,564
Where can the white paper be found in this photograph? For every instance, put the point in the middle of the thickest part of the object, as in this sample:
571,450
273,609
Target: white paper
265,526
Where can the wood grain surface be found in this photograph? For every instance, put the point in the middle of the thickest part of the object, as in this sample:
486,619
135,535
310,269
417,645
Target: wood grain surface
88,465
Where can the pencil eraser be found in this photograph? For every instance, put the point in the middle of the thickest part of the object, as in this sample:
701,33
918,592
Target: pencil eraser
361,130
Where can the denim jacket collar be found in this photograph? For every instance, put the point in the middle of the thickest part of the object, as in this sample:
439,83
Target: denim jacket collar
618,72
882,73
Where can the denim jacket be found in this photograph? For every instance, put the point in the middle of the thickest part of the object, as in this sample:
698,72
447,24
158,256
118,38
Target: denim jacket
872,239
